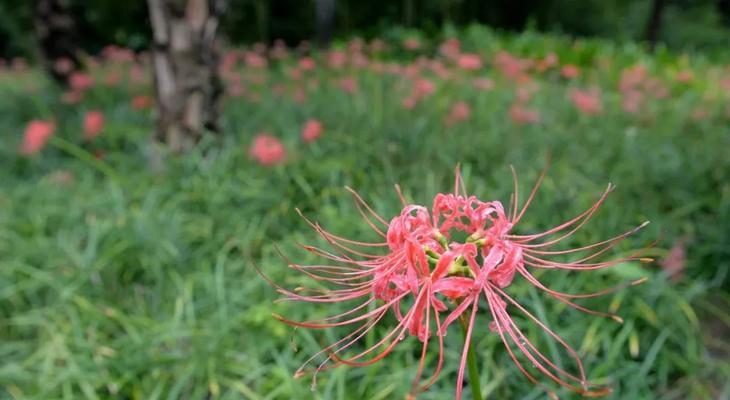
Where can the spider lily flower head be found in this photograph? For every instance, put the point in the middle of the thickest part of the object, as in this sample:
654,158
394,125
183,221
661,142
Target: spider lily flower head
427,280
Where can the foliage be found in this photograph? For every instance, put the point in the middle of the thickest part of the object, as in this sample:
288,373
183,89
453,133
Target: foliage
686,24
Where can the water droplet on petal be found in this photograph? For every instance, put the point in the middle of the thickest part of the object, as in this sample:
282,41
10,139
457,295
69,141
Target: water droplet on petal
493,327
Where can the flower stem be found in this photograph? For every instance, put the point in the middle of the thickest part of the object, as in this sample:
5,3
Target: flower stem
471,364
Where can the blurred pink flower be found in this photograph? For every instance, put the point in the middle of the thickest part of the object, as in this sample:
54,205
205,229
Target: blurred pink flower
254,60
112,78
312,130
79,81
307,64
63,65
336,59
422,88
412,44
450,48
586,101
72,96
483,83
675,261
632,101
569,71
141,102
279,51
522,115
632,77
549,61
460,111
349,85
469,61
685,76
512,67
267,150
93,124
36,135
137,75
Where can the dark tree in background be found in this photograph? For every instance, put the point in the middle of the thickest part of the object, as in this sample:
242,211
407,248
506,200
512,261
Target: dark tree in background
57,37
185,61
325,11
654,24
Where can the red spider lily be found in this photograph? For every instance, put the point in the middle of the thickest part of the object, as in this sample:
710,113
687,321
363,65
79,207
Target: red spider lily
93,124
36,135
422,273
505,254
267,150
312,130
587,101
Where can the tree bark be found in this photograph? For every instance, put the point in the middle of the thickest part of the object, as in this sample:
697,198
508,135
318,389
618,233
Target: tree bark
653,25
185,62
325,13
57,38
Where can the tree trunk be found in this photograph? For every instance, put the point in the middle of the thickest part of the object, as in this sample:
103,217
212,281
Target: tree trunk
325,10
408,12
185,61
653,25
56,33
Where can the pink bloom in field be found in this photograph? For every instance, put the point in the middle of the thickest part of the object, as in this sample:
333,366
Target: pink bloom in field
569,71
112,78
469,62
349,85
137,75
522,115
549,61
412,44
141,102
336,59
685,76
267,150
72,97
587,101
460,111
426,279
450,48
632,77
63,65
279,51
512,67
255,60
675,262
312,130
36,135
19,64
93,124
79,81
483,84
307,64
632,101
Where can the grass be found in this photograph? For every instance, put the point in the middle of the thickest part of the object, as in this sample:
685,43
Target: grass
125,279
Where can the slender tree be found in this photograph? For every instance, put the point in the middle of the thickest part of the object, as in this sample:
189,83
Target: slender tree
185,61
57,38
654,23
325,12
